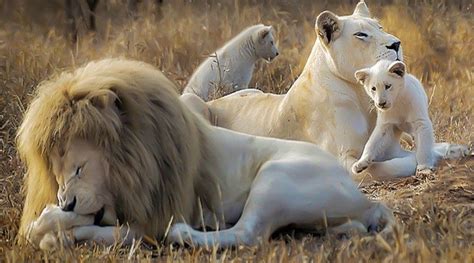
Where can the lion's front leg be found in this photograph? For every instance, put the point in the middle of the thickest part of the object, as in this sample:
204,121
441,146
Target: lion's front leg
52,220
104,235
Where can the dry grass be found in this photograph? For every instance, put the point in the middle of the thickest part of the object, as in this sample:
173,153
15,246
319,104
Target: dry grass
436,213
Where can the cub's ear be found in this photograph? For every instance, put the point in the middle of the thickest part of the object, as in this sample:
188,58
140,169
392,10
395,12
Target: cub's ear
361,10
328,27
362,75
263,33
398,68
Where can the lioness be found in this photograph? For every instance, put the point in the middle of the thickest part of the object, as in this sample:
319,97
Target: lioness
325,105
111,143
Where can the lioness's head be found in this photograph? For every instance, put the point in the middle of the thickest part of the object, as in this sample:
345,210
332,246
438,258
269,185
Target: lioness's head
382,82
265,46
354,42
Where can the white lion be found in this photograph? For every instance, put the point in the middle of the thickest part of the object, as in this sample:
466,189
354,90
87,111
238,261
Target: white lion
325,105
134,155
402,106
231,67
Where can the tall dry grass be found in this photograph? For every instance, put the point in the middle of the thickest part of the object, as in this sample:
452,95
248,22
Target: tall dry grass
436,213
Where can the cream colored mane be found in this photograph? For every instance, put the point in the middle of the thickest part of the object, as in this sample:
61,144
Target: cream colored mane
159,161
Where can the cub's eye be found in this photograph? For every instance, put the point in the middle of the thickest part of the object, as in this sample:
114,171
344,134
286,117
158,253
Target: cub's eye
374,88
271,42
361,35
78,171
388,86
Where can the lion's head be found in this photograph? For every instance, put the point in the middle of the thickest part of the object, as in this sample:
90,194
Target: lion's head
354,42
113,137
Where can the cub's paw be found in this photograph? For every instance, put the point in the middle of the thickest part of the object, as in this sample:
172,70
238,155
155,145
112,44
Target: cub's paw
360,166
424,169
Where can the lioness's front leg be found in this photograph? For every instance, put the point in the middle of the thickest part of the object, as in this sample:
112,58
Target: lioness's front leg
378,142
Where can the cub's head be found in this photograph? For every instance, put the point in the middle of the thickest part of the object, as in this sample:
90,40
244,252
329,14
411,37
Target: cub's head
383,82
354,42
265,46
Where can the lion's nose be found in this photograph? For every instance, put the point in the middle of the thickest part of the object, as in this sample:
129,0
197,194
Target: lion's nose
69,206
395,46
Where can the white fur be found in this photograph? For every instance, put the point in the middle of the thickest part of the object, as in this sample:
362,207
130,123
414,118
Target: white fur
402,106
325,105
265,184
231,67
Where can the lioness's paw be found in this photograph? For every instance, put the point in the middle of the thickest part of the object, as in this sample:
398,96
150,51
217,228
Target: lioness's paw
457,151
360,166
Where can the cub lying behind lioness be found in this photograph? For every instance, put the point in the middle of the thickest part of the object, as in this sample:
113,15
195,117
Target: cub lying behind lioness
231,67
402,106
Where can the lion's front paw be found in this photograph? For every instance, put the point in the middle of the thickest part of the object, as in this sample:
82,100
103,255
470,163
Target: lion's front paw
180,233
53,241
360,166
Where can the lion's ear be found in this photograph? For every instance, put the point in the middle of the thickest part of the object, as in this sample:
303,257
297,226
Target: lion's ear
108,99
328,26
397,68
362,75
361,10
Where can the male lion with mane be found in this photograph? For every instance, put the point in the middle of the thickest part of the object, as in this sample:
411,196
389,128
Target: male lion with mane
123,158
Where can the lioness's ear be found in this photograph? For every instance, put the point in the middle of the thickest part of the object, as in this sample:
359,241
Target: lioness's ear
362,75
361,9
263,33
328,26
398,68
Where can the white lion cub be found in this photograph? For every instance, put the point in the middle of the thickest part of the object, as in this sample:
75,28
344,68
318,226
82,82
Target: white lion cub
402,106
231,67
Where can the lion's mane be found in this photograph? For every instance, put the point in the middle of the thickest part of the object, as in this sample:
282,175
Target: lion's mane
160,166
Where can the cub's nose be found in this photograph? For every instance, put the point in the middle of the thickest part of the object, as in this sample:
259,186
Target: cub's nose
382,104
395,46
68,207
277,54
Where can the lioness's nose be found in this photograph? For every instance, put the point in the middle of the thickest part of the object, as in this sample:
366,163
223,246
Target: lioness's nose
69,206
382,104
395,46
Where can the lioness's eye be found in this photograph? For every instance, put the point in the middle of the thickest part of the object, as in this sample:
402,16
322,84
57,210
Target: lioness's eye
271,42
374,88
388,86
361,35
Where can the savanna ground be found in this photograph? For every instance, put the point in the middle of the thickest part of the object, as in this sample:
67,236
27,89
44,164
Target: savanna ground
436,213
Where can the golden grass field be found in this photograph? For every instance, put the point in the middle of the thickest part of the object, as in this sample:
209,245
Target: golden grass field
436,213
